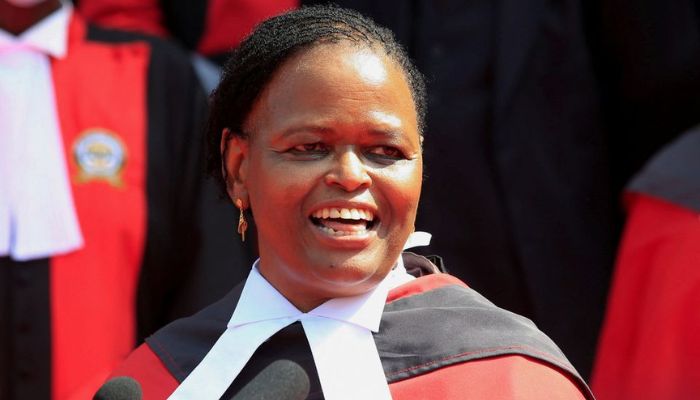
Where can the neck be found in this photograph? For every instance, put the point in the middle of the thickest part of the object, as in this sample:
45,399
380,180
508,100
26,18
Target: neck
15,19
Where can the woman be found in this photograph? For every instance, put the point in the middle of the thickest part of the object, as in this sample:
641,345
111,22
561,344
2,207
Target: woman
317,122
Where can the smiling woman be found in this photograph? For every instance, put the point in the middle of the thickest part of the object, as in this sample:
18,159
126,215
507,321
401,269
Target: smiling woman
334,129
316,127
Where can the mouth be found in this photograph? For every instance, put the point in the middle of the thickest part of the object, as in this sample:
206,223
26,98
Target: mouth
344,222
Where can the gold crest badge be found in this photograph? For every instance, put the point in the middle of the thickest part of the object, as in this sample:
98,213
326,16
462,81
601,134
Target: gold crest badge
99,155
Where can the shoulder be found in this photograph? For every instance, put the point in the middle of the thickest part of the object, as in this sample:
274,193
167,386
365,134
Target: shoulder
144,366
169,355
453,323
437,323
503,377
182,344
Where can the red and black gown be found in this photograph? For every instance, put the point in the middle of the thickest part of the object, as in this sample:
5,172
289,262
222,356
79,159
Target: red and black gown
437,339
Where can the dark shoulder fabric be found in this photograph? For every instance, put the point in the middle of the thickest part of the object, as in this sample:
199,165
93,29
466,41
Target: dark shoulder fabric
454,324
182,344
673,174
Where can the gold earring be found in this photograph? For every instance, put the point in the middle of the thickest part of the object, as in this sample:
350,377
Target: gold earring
242,223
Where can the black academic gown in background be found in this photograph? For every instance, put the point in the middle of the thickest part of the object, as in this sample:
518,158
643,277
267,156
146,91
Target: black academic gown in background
647,54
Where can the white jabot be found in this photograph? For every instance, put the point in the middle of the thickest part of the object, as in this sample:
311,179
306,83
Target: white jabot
37,213
339,332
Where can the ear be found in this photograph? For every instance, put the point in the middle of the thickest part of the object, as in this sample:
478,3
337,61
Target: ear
234,165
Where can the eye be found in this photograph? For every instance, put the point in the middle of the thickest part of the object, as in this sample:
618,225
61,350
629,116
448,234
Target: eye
317,147
309,150
386,153
310,147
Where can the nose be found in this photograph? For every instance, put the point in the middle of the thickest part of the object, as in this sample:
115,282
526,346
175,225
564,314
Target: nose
349,172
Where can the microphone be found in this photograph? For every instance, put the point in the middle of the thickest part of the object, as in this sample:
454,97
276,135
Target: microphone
119,388
282,379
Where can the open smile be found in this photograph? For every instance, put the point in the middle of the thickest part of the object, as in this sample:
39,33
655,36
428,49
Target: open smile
344,222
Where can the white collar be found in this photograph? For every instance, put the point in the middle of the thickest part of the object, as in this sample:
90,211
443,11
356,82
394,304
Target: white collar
49,36
262,311
260,301
37,212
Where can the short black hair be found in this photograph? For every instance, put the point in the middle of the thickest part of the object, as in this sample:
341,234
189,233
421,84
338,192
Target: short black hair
252,64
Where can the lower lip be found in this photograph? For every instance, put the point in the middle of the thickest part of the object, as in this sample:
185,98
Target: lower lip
349,240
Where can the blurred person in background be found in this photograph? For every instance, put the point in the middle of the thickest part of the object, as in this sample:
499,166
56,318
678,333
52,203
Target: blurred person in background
647,55
209,29
100,170
649,345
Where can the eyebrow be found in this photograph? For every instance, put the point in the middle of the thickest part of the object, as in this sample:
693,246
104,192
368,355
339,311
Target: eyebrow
395,134
307,128
391,133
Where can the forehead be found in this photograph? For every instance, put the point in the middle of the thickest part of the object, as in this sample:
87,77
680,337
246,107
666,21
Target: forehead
369,62
343,75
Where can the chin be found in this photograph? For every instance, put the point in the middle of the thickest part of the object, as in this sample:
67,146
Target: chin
351,273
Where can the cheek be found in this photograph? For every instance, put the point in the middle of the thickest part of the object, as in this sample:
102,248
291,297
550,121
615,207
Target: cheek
277,189
403,188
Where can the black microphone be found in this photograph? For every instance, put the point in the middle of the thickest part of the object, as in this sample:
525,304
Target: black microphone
281,380
119,388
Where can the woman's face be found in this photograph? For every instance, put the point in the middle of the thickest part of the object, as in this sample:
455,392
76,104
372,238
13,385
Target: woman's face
332,170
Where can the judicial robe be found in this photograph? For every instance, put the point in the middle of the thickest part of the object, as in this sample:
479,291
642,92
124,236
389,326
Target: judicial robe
649,346
130,110
437,339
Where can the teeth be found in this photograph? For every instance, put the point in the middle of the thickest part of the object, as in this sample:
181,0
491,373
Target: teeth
333,232
344,213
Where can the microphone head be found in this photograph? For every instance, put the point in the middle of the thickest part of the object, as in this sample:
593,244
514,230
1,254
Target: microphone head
119,388
282,379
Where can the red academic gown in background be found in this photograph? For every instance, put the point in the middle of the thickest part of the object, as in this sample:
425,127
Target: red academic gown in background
130,111
438,339
209,27
650,343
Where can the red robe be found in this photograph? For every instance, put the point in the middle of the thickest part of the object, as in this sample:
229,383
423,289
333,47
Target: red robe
209,27
649,346
650,343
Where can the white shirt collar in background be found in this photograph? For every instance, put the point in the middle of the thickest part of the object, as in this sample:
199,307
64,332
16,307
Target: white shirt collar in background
37,212
49,36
